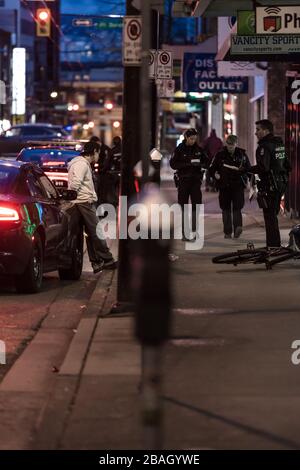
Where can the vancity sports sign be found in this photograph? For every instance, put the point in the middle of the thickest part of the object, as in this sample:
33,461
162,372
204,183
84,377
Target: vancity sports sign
278,19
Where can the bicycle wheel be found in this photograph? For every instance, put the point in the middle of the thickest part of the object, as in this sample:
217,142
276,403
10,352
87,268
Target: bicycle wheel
240,257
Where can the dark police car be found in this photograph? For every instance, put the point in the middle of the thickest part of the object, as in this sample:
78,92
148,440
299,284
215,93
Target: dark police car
52,159
40,230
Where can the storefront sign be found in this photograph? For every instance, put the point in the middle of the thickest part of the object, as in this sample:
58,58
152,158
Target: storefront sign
246,22
19,81
241,69
200,74
278,19
2,92
265,44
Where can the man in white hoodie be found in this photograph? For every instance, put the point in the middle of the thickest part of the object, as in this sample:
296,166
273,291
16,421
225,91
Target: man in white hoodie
80,179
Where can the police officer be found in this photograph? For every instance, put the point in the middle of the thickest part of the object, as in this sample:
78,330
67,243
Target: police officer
112,166
272,167
189,160
102,184
229,168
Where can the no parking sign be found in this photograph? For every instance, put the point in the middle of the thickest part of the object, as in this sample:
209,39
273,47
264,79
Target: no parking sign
152,63
164,64
132,40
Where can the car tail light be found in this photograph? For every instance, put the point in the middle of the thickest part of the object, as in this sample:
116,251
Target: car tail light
55,163
9,214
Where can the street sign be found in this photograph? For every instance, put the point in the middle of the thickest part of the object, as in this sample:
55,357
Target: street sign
164,64
170,88
132,40
265,44
87,22
165,88
200,74
152,63
278,19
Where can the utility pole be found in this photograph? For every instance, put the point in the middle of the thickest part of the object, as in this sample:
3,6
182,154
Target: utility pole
139,128
145,102
130,156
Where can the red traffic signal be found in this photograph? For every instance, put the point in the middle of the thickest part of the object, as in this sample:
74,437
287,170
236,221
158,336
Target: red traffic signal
43,22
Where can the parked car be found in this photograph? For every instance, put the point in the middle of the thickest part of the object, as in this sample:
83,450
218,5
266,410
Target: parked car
15,138
40,229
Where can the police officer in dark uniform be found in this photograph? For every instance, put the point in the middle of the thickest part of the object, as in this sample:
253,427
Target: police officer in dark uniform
112,166
102,183
272,168
189,160
229,168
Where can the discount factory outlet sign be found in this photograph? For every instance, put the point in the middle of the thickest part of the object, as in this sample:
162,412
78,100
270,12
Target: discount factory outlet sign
200,74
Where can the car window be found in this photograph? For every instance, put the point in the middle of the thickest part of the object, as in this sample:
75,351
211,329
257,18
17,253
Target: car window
13,132
8,177
35,187
50,131
48,187
21,186
26,131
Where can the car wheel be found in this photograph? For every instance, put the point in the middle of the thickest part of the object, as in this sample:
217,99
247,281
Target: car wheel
74,273
31,280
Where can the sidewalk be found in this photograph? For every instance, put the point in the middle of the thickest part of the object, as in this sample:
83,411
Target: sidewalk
228,378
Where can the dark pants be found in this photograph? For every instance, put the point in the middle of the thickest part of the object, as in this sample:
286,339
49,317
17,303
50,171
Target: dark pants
97,248
113,188
189,189
271,221
102,188
210,182
231,202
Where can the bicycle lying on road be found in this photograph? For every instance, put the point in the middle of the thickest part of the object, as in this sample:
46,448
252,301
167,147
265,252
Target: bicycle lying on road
268,256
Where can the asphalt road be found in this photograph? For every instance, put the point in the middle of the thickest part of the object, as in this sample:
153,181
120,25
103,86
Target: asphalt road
22,315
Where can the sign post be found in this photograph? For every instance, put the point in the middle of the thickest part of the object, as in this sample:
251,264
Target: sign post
131,143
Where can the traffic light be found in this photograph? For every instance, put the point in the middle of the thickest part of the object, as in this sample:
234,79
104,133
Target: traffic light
43,22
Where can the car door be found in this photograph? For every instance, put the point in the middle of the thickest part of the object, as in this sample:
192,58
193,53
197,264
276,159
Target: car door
51,215
57,207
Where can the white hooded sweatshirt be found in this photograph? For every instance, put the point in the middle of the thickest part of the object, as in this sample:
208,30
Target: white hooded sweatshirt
80,179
